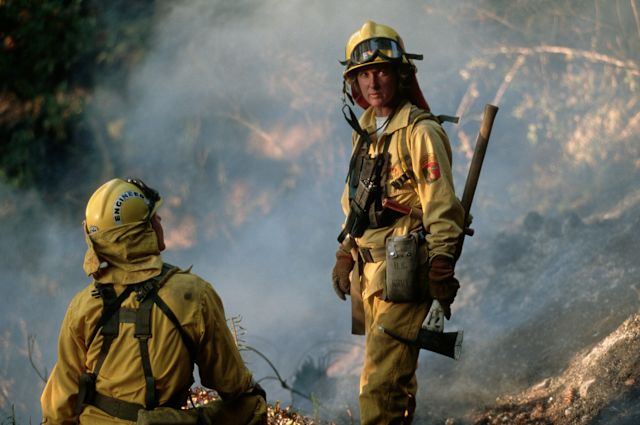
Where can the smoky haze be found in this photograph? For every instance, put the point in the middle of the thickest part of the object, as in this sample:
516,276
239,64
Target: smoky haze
234,116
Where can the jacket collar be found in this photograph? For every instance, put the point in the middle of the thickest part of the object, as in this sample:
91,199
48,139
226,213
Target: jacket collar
399,120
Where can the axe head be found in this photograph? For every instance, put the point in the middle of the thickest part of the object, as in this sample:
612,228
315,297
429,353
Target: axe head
446,343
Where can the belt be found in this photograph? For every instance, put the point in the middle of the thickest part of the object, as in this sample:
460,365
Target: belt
129,411
118,408
372,255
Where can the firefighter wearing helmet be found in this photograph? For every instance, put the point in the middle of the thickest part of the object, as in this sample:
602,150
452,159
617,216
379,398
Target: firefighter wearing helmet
129,340
403,219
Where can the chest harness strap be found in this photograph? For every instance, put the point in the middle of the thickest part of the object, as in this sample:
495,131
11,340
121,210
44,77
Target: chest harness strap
108,326
367,176
366,180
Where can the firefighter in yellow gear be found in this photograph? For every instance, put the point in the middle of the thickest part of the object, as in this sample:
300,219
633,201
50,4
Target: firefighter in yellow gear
108,378
413,193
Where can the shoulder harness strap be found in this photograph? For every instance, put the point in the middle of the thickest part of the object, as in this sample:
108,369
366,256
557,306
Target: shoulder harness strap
143,333
404,151
109,323
113,314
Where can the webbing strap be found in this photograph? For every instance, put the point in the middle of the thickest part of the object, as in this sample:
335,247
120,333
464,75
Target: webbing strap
108,326
110,322
384,171
186,339
129,411
143,333
352,120
404,153
117,408
104,350
127,315
372,255
111,305
448,118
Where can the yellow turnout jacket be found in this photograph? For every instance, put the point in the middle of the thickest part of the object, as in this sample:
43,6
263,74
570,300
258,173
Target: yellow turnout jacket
431,190
132,254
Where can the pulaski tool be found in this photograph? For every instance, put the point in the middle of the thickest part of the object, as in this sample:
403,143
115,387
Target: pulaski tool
431,335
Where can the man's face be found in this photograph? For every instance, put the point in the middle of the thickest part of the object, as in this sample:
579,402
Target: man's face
378,85
155,223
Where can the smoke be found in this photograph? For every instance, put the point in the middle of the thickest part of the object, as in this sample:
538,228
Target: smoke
234,115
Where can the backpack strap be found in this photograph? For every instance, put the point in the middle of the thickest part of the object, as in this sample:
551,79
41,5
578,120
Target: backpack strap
112,315
186,339
109,322
404,152
147,295
143,333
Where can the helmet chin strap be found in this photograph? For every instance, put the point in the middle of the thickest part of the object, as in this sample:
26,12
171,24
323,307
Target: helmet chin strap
345,94
351,119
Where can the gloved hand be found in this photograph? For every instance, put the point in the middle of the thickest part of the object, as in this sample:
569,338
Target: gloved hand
442,285
340,273
258,390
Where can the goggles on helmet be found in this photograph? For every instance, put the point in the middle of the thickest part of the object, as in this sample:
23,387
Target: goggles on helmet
151,194
370,49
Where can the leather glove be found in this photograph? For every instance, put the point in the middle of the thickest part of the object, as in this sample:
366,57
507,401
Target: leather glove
442,285
258,390
340,273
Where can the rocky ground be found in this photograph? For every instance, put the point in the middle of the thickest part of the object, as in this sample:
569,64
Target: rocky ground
601,385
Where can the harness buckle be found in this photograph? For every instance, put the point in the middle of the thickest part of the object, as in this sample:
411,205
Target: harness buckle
144,290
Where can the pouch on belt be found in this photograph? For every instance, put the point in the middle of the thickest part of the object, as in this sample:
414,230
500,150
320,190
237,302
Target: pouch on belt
402,268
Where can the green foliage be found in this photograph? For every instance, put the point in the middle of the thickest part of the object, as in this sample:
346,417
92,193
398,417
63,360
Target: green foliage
123,36
50,53
42,41
35,145
43,45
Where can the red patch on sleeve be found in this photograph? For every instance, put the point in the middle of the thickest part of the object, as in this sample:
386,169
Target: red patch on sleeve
431,170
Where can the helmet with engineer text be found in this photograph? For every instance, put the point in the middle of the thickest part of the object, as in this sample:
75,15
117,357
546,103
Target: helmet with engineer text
119,202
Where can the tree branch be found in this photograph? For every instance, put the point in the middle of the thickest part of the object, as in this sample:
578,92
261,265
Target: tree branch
506,82
635,14
278,377
569,52
31,340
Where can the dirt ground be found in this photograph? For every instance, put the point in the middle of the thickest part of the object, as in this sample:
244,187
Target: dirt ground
600,386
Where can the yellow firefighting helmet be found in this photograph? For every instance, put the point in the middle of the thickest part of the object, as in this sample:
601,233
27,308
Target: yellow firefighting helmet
120,202
375,43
